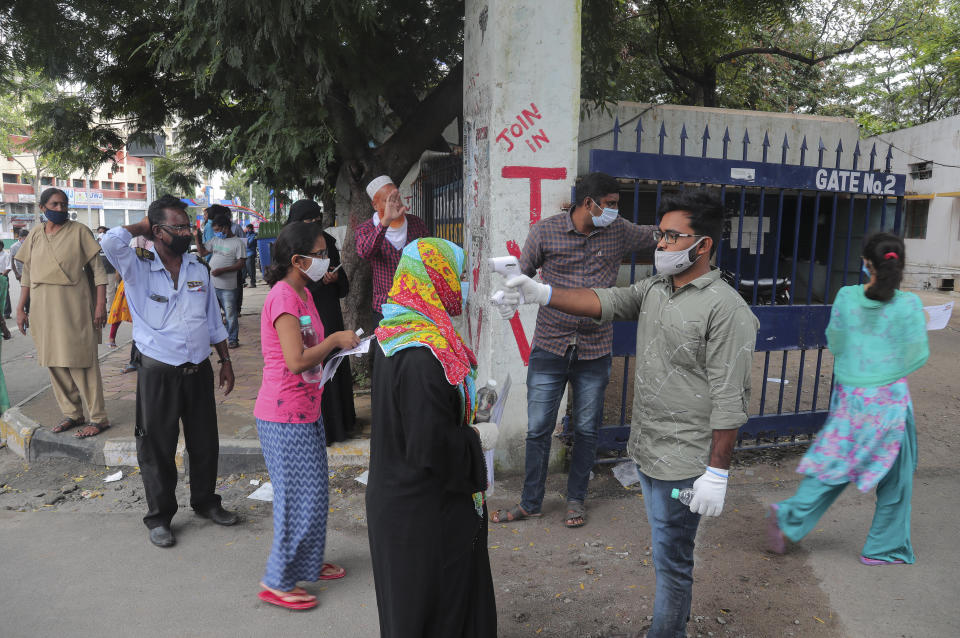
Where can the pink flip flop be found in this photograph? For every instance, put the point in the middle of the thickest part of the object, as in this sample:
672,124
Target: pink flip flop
270,597
873,562
334,575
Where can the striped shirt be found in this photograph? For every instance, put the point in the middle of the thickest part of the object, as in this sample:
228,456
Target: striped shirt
568,258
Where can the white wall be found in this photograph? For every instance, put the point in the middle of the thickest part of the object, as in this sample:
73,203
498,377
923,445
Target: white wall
937,256
521,110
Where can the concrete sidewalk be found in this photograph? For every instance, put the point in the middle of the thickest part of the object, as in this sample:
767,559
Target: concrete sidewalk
26,428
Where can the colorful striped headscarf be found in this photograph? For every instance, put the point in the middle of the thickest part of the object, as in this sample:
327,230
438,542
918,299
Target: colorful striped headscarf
425,292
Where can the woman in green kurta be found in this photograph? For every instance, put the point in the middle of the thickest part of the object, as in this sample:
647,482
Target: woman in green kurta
65,283
4,291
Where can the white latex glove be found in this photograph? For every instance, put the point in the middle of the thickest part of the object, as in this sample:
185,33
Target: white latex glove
507,301
708,492
489,433
530,291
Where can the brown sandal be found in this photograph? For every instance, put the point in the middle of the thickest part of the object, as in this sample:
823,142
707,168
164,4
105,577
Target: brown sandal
66,424
99,427
512,515
575,512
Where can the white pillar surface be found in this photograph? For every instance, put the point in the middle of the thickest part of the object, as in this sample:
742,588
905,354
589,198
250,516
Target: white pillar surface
521,121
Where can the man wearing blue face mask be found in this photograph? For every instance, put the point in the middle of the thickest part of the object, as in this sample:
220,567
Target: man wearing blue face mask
579,249
695,342
228,255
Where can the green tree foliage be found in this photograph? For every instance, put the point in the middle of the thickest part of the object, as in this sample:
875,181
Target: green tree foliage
38,130
759,54
912,80
174,175
253,195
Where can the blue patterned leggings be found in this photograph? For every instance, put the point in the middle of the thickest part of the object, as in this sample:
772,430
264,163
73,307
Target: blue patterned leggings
296,456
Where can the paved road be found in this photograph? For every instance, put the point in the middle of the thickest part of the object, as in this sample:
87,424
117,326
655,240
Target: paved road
18,356
79,575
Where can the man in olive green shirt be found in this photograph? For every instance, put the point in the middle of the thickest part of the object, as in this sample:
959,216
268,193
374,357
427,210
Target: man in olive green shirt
695,342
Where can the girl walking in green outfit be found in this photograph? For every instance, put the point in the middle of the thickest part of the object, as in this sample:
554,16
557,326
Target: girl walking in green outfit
4,292
877,334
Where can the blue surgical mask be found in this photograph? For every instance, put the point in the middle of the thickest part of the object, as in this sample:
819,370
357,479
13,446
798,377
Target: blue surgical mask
607,217
864,270
220,234
464,293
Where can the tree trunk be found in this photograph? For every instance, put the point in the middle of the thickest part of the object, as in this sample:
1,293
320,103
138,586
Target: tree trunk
357,306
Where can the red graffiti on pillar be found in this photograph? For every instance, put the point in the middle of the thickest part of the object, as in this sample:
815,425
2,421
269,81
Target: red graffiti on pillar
535,174
515,322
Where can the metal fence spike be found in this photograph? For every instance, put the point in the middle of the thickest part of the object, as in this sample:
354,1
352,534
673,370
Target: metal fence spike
889,160
746,143
663,136
616,132
683,140
639,130
803,150
839,152
783,153
873,155
766,145
726,140
856,155
706,136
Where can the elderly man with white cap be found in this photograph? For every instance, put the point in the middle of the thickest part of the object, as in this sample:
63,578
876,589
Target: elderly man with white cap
381,239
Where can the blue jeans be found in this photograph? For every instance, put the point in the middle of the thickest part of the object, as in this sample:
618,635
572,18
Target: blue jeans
228,303
673,528
547,377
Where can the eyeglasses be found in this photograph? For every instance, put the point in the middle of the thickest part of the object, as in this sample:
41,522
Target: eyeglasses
179,229
323,254
670,236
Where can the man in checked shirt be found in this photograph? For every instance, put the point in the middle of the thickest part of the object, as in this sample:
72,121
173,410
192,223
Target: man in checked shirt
582,248
381,239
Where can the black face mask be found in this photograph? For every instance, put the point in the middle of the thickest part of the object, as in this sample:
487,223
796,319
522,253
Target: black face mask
57,217
178,244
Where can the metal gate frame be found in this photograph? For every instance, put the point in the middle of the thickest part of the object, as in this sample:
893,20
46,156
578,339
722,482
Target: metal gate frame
783,328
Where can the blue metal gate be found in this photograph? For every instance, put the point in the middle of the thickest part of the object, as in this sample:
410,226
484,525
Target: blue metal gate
793,240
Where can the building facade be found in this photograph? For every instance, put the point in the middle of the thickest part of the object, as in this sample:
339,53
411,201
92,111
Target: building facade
929,154
111,196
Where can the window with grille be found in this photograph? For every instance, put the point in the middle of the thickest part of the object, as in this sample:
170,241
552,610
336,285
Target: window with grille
921,170
915,222
9,178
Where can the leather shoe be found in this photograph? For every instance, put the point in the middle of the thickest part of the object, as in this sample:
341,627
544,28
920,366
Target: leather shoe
219,515
162,537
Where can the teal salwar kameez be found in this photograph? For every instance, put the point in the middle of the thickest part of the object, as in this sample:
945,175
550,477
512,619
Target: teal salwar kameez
869,438
4,398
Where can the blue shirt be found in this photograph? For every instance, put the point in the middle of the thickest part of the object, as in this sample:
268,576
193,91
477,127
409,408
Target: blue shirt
251,243
172,325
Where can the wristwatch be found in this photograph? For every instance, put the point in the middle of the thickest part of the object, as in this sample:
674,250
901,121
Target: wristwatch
224,360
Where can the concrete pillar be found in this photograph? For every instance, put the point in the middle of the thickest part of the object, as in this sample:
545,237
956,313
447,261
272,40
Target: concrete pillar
521,120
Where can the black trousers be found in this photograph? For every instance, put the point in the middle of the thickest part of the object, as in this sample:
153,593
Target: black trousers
167,395
251,270
240,278
374,346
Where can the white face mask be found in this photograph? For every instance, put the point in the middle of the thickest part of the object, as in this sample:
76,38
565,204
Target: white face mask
675,262
607,217
318,268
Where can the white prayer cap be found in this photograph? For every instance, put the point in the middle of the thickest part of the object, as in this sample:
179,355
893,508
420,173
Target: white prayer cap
377,184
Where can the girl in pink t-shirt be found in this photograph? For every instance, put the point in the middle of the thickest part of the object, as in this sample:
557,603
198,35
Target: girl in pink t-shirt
288,418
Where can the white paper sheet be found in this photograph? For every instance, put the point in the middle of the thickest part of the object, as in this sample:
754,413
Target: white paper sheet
263,493
330,367
938,316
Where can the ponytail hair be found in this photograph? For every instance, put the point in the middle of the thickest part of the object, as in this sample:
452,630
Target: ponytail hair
296,238
887,254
